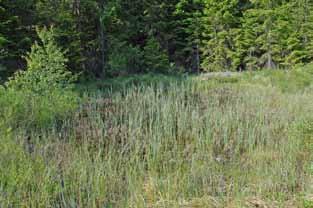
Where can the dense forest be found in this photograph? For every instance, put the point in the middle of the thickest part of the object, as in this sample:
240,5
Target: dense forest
112,37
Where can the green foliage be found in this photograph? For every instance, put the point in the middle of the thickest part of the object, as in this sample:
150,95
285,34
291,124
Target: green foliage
115,37
76,26
46,67
219,20
2,73
20,172
15,33
189,21
155,58
41,94
124,59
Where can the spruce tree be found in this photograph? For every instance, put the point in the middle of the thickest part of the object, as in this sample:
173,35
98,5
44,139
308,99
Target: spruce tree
249,35
76,26
16,33
263,28
300,39
190,31
221,19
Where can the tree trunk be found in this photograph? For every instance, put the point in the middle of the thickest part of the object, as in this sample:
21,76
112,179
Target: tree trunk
197,59
103,42
270,63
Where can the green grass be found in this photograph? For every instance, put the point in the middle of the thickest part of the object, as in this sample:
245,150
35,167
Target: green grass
182,143
128,81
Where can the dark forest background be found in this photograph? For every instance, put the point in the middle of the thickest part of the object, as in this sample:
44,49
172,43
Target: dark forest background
105,38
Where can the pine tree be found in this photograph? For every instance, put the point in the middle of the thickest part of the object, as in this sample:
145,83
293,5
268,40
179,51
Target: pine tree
221,19
155,57
77,25
300,36
272,32
250,33
190,30
264,27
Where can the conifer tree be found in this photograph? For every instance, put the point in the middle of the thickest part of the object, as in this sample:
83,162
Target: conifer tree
190,16
210,35
16,33
249,35
77,26
300,33
221,19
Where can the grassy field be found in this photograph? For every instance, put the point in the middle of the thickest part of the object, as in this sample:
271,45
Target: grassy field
235,142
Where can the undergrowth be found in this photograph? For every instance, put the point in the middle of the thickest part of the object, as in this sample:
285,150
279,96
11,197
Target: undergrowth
182,144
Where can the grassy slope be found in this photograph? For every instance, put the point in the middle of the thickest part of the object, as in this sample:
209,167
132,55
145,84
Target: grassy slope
238,142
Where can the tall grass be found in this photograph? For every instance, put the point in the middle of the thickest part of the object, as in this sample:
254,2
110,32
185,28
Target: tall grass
185,144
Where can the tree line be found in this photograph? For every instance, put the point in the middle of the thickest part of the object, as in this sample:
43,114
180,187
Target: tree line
114,37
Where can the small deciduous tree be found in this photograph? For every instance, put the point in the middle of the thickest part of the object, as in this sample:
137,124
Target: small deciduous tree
46,67
43,93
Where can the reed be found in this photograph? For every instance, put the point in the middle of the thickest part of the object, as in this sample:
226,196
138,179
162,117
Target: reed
184,144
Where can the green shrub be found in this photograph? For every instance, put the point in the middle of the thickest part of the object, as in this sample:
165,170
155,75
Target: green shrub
46,67
41,94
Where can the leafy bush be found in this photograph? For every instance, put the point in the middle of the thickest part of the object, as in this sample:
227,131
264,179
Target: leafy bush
46,67
41,94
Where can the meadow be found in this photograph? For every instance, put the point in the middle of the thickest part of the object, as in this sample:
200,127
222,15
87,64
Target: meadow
162,141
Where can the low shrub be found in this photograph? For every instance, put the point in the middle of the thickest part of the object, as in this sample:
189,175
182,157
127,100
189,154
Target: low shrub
43,93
